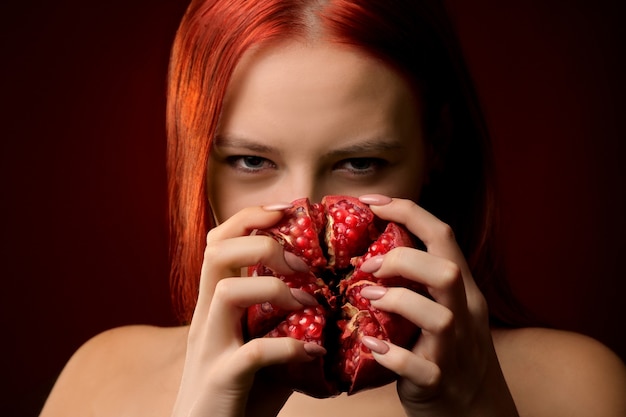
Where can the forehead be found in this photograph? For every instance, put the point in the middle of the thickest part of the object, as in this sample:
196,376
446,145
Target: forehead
320,73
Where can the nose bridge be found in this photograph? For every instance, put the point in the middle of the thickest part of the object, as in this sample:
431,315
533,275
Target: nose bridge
299,182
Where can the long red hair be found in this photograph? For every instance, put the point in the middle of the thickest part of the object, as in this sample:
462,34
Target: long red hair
413,36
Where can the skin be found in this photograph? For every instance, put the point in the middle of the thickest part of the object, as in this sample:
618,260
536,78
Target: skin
307,119
307,142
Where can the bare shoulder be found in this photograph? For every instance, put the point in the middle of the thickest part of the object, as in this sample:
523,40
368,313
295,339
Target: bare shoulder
116,365
554,373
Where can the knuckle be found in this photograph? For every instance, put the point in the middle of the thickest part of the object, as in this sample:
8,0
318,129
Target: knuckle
224,289
445,232
252,352
478,305
211,234
212,250
451,274
433,380
444,322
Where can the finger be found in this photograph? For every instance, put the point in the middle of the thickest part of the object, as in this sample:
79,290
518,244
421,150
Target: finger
434,233
435,320
226,258
442,277
437,236
247,359
266,351
418,370
234,295
246,220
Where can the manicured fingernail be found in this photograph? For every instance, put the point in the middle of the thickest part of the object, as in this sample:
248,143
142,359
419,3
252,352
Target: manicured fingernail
313,349
277,206
375,345
373,292
375,199
372,264
295,262
303,297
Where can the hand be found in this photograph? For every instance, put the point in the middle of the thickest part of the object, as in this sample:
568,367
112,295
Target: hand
219,370
453,369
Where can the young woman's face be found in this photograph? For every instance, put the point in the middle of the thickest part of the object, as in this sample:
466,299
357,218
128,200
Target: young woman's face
308,120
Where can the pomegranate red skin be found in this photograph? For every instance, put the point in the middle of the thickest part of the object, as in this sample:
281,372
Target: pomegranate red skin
340,234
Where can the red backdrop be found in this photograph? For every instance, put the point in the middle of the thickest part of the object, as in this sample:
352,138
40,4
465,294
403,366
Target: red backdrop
83,181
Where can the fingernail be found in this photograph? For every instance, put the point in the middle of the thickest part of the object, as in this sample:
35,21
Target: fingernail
372,264
373,292
277,206
375,199
313,349
375,345
303,297
295,262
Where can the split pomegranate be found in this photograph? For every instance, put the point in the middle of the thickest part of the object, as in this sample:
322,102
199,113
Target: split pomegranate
334,238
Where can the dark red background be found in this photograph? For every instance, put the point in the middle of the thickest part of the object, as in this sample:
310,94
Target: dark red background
83,197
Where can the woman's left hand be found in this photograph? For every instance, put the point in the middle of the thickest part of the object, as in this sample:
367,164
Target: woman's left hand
453,369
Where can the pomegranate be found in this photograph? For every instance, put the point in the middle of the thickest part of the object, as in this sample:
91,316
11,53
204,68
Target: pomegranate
334,238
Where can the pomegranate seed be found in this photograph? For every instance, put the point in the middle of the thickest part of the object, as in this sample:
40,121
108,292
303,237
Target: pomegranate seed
305,321
352,234
304,222
338,215
296,332
314,330
283,329
302,242
351,221
295,231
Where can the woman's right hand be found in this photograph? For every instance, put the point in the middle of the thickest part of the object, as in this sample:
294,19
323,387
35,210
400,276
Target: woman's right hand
219,370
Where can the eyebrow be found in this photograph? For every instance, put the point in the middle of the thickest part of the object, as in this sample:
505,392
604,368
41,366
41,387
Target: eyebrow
372,145
228,141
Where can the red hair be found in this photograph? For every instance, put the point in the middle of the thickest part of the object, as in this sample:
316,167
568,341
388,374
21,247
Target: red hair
410,35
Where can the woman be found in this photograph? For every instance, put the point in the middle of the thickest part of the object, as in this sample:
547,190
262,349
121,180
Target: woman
274,100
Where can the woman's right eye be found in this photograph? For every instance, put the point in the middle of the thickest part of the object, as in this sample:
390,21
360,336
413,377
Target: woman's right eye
250,163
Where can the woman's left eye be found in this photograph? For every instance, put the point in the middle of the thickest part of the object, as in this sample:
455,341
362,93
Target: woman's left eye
361,166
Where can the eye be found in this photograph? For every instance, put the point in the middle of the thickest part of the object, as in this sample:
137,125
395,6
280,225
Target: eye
250,163
361,166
